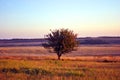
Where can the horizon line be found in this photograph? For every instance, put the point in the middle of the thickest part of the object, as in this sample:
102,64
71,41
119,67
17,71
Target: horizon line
77,37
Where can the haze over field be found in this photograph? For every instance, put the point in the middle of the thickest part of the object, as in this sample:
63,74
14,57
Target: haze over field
34,18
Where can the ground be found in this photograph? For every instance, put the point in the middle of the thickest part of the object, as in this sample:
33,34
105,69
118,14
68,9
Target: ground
37,63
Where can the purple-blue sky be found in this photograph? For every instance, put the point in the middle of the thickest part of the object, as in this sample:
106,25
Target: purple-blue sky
34,18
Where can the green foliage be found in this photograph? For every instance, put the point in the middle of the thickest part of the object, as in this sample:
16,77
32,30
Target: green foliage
58,63
33,71
29,71
74,73
62,41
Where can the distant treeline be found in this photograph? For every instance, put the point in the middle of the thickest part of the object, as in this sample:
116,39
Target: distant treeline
21,40
99,40
39,42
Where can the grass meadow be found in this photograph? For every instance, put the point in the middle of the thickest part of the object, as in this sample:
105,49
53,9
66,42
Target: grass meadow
37,63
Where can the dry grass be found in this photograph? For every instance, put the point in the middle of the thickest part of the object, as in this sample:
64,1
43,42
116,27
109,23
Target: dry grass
86,53
58,70
80,58
97,50
81,51
37,63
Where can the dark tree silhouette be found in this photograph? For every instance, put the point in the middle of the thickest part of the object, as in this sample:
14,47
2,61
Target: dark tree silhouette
62,41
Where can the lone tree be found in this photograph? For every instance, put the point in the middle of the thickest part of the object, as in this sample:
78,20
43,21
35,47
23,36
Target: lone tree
62,41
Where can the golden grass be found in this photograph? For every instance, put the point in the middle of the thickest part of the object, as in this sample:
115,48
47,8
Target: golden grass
81,51
60,70
79,58
84,53
37,63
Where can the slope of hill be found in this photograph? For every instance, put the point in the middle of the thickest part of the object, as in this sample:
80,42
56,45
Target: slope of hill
39,42
100,40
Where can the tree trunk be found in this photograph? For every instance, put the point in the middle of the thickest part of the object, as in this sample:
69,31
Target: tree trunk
59,55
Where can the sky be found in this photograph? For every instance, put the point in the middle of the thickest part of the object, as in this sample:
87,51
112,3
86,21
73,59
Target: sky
35,18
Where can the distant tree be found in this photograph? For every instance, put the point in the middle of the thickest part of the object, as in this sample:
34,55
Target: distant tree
62,41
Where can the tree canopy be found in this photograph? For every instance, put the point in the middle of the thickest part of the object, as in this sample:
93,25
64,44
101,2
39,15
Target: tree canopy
62,41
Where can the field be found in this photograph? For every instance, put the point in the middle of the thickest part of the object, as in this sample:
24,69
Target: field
38,63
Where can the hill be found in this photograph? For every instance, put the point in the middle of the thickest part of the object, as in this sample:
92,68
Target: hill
39,42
